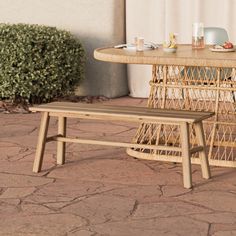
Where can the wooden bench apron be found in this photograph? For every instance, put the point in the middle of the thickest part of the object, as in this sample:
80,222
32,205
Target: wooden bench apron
64,110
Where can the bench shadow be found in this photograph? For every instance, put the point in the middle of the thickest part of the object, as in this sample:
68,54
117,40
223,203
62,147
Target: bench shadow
220,176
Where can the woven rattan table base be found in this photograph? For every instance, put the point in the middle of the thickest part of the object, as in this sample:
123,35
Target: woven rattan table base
193,88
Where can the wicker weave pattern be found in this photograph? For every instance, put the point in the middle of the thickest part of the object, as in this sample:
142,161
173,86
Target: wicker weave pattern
194,88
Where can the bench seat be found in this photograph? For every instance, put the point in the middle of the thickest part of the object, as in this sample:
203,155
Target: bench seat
138,114
64,110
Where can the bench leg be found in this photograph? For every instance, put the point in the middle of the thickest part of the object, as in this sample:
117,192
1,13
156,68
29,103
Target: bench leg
41,142
202,154
61,146
186,158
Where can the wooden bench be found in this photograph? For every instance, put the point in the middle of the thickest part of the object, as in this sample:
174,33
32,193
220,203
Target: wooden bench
64,110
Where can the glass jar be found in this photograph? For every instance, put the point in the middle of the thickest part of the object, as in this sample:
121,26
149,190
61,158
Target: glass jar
198,36
140,44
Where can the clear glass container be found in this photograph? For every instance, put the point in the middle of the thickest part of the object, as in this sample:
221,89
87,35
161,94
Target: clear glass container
198,36
140,44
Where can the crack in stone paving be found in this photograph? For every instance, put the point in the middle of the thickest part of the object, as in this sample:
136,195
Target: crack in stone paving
92,158
231,229
148,165
121,132
150,218
24,149
20,158
31,131
28,175
2,190
19,205
135,207
42,204
182,194
124,125
70,202
82,151
78,229
161,190
11,143
204,221
197,205
106,134
84,197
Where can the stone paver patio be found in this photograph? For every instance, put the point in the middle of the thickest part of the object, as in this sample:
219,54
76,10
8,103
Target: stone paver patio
103,191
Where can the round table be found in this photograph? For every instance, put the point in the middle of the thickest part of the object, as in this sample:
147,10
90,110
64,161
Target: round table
192,80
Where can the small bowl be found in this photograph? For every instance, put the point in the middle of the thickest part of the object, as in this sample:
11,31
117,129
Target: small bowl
170,49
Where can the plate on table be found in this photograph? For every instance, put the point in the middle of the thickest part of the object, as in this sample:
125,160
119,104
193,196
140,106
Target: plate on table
170,49
222,49
132,47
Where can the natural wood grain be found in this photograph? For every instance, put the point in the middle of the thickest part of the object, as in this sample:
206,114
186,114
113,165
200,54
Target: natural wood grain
186,160
184,56
123,112
41,142
202,153
60,144
110,143
88,111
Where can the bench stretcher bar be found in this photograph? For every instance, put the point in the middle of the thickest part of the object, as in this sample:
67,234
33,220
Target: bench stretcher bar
120,144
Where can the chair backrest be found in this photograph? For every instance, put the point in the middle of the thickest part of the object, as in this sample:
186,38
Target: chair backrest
215,35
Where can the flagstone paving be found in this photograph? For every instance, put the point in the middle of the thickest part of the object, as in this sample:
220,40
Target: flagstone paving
102,191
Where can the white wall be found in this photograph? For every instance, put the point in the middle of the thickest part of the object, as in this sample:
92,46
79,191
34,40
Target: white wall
97,23
155,19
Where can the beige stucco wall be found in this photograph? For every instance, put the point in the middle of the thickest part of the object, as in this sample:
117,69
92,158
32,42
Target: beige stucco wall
97,22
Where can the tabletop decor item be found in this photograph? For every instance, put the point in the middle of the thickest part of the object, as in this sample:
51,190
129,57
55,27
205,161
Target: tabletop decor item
198,36
140,44
226,47
133,46
170,46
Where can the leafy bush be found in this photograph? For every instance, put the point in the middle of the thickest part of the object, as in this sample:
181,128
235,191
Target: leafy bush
38,63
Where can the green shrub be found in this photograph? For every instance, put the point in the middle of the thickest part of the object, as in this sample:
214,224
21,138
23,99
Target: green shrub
38,63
